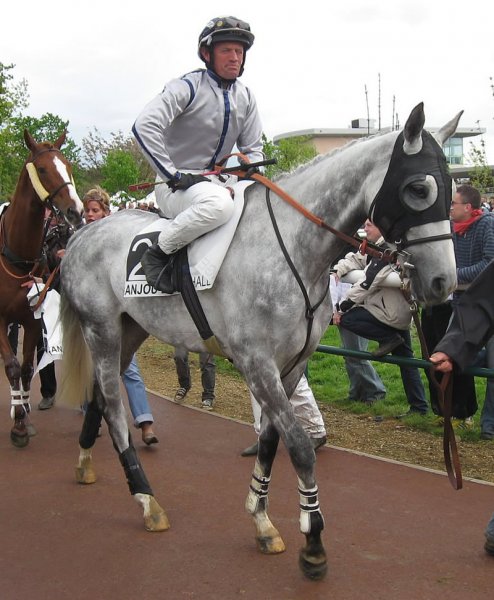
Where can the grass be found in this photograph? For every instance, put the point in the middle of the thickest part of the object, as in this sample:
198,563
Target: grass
329,381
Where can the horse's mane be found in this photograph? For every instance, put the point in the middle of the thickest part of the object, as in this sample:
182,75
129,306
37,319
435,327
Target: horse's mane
301,168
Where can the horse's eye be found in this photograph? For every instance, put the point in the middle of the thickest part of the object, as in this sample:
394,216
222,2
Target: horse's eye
42,170
419,190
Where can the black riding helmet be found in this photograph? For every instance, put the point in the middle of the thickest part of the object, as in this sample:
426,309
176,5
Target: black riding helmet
225,29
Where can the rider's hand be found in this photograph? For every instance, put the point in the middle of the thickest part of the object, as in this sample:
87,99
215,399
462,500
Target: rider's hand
183,181
249,171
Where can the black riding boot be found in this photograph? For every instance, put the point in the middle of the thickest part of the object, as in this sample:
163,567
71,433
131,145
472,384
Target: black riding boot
158,268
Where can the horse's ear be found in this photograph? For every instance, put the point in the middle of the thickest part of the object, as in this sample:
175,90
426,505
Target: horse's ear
447,130
59,143
30,143
413,130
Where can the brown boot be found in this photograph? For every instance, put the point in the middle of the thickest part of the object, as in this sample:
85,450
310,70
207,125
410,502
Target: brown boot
148,436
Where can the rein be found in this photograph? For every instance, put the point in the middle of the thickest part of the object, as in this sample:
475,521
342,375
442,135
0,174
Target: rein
33,266
364,247
444,396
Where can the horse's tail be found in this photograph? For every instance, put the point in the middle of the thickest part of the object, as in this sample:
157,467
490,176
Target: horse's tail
77,365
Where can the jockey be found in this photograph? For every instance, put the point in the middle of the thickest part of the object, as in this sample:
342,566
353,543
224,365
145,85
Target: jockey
185,130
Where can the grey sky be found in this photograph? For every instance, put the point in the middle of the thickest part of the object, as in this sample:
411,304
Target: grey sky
98,63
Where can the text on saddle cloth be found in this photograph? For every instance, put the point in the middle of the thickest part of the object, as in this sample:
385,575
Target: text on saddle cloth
206,254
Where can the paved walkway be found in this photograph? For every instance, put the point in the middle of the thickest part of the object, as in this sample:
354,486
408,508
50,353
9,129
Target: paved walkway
392,532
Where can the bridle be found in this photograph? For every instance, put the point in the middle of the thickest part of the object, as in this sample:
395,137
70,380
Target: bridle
37,265
43,194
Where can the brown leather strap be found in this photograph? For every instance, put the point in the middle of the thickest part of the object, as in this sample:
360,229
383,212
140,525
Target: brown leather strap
45,290
444,396
363,247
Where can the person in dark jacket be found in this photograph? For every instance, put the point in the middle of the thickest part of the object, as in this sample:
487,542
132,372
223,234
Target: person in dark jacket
471,327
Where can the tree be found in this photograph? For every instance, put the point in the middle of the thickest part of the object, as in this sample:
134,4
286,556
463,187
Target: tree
289,153
99,161
119,171
14,99
480,176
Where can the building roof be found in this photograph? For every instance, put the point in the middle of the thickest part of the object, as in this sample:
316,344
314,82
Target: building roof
358,132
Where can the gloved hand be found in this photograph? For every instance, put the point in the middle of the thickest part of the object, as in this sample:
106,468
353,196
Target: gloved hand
249,171
183,181
346,305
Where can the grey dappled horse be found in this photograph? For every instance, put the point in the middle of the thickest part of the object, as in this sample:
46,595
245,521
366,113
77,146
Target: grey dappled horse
256,308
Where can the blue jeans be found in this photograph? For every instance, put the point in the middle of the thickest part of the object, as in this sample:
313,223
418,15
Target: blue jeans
136,391
365,383
360,321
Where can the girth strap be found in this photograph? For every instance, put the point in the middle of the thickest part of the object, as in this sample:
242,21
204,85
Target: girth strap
191,300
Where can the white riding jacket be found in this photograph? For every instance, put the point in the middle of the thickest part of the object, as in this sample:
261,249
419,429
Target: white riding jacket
197,120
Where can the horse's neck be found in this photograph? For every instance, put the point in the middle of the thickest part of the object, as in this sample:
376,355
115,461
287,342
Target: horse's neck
24,221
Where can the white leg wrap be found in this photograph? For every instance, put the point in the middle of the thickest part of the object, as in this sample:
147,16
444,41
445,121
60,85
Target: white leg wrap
309,503
16,399
258,490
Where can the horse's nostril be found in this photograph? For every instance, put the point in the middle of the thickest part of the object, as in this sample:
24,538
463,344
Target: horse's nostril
438,285
74,216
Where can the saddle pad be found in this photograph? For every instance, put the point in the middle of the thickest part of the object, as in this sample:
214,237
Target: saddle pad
206,254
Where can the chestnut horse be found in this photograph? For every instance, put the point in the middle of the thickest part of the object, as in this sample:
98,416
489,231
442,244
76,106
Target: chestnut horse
45,181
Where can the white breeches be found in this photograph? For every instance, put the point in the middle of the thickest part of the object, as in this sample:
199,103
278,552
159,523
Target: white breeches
305,408
192,213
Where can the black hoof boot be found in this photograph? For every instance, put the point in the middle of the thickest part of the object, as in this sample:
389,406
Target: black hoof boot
158,268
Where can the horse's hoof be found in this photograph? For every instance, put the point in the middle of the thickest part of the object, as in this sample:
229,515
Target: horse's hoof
313,567
19,440
156,519
85,475
270,545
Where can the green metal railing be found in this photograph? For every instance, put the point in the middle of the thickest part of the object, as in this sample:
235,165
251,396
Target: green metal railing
398,360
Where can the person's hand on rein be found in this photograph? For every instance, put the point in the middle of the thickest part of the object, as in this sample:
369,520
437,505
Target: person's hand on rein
183,181
29,284
442,362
